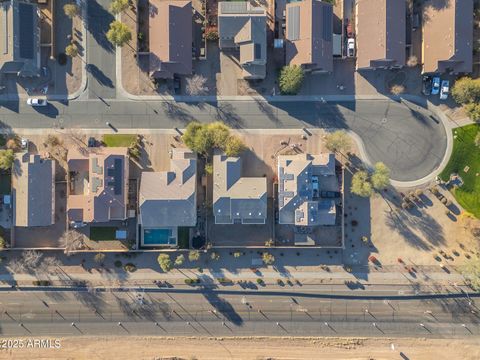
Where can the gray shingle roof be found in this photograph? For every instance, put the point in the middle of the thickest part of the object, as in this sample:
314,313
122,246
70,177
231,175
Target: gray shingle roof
168,198
296,204
33,185
237,198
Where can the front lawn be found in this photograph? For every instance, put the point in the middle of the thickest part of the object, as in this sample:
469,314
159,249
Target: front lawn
99,233
119,140
466,154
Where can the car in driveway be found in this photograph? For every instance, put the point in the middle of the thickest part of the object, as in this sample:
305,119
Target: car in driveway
351,47
37,102
435,85
444,90
426,85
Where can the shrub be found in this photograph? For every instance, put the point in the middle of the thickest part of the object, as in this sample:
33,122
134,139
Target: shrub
71,50
129,267
209,168
214,256
70,10
179,260
99,258
268,259
3,244
291,79
165,262
412,61
211,35
259,281
237,254
192,281
41,283
117,263
193,255
397,89
473,111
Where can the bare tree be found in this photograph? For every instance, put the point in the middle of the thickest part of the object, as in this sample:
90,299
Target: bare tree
48,265
17,265
197,85
71,241
31,258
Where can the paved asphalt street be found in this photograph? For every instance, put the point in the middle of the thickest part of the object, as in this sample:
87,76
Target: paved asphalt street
100,53
402,135
212,313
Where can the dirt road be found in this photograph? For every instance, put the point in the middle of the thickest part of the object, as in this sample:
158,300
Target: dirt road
249,348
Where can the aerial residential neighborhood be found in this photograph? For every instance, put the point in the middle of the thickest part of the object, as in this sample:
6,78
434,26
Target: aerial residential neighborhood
263,179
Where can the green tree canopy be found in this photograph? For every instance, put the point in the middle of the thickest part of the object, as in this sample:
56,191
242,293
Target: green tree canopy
6,159
361,185
204,138
381,176
338,141
291,79
118,6
234,146
119,33
466,90
165,262
473,111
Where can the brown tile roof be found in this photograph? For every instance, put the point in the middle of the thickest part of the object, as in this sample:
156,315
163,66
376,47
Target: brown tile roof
447,36
98,184
309,34
170,38
380,33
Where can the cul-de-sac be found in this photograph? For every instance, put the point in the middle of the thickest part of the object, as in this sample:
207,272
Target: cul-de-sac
262,179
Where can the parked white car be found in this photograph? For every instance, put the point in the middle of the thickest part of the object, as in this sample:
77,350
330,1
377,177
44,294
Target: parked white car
444,90
351,47
37,102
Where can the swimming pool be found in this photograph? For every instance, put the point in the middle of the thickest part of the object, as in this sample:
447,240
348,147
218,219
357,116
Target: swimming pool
158,237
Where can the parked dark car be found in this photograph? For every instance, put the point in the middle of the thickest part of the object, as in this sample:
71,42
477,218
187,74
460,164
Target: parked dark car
92,142
177,85
330,194
426,85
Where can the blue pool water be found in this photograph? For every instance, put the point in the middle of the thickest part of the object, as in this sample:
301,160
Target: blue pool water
158,237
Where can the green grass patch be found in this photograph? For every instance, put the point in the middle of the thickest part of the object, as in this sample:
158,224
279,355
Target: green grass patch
99,233
183,237
119,140
464,154
5,184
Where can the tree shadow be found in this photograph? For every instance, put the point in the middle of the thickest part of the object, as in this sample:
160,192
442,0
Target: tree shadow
98,23
410,224
98,74
174,111
225,112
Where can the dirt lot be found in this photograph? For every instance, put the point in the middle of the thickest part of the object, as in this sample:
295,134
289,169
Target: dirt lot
252,348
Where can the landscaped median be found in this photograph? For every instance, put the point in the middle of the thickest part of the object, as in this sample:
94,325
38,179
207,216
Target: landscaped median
465,161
